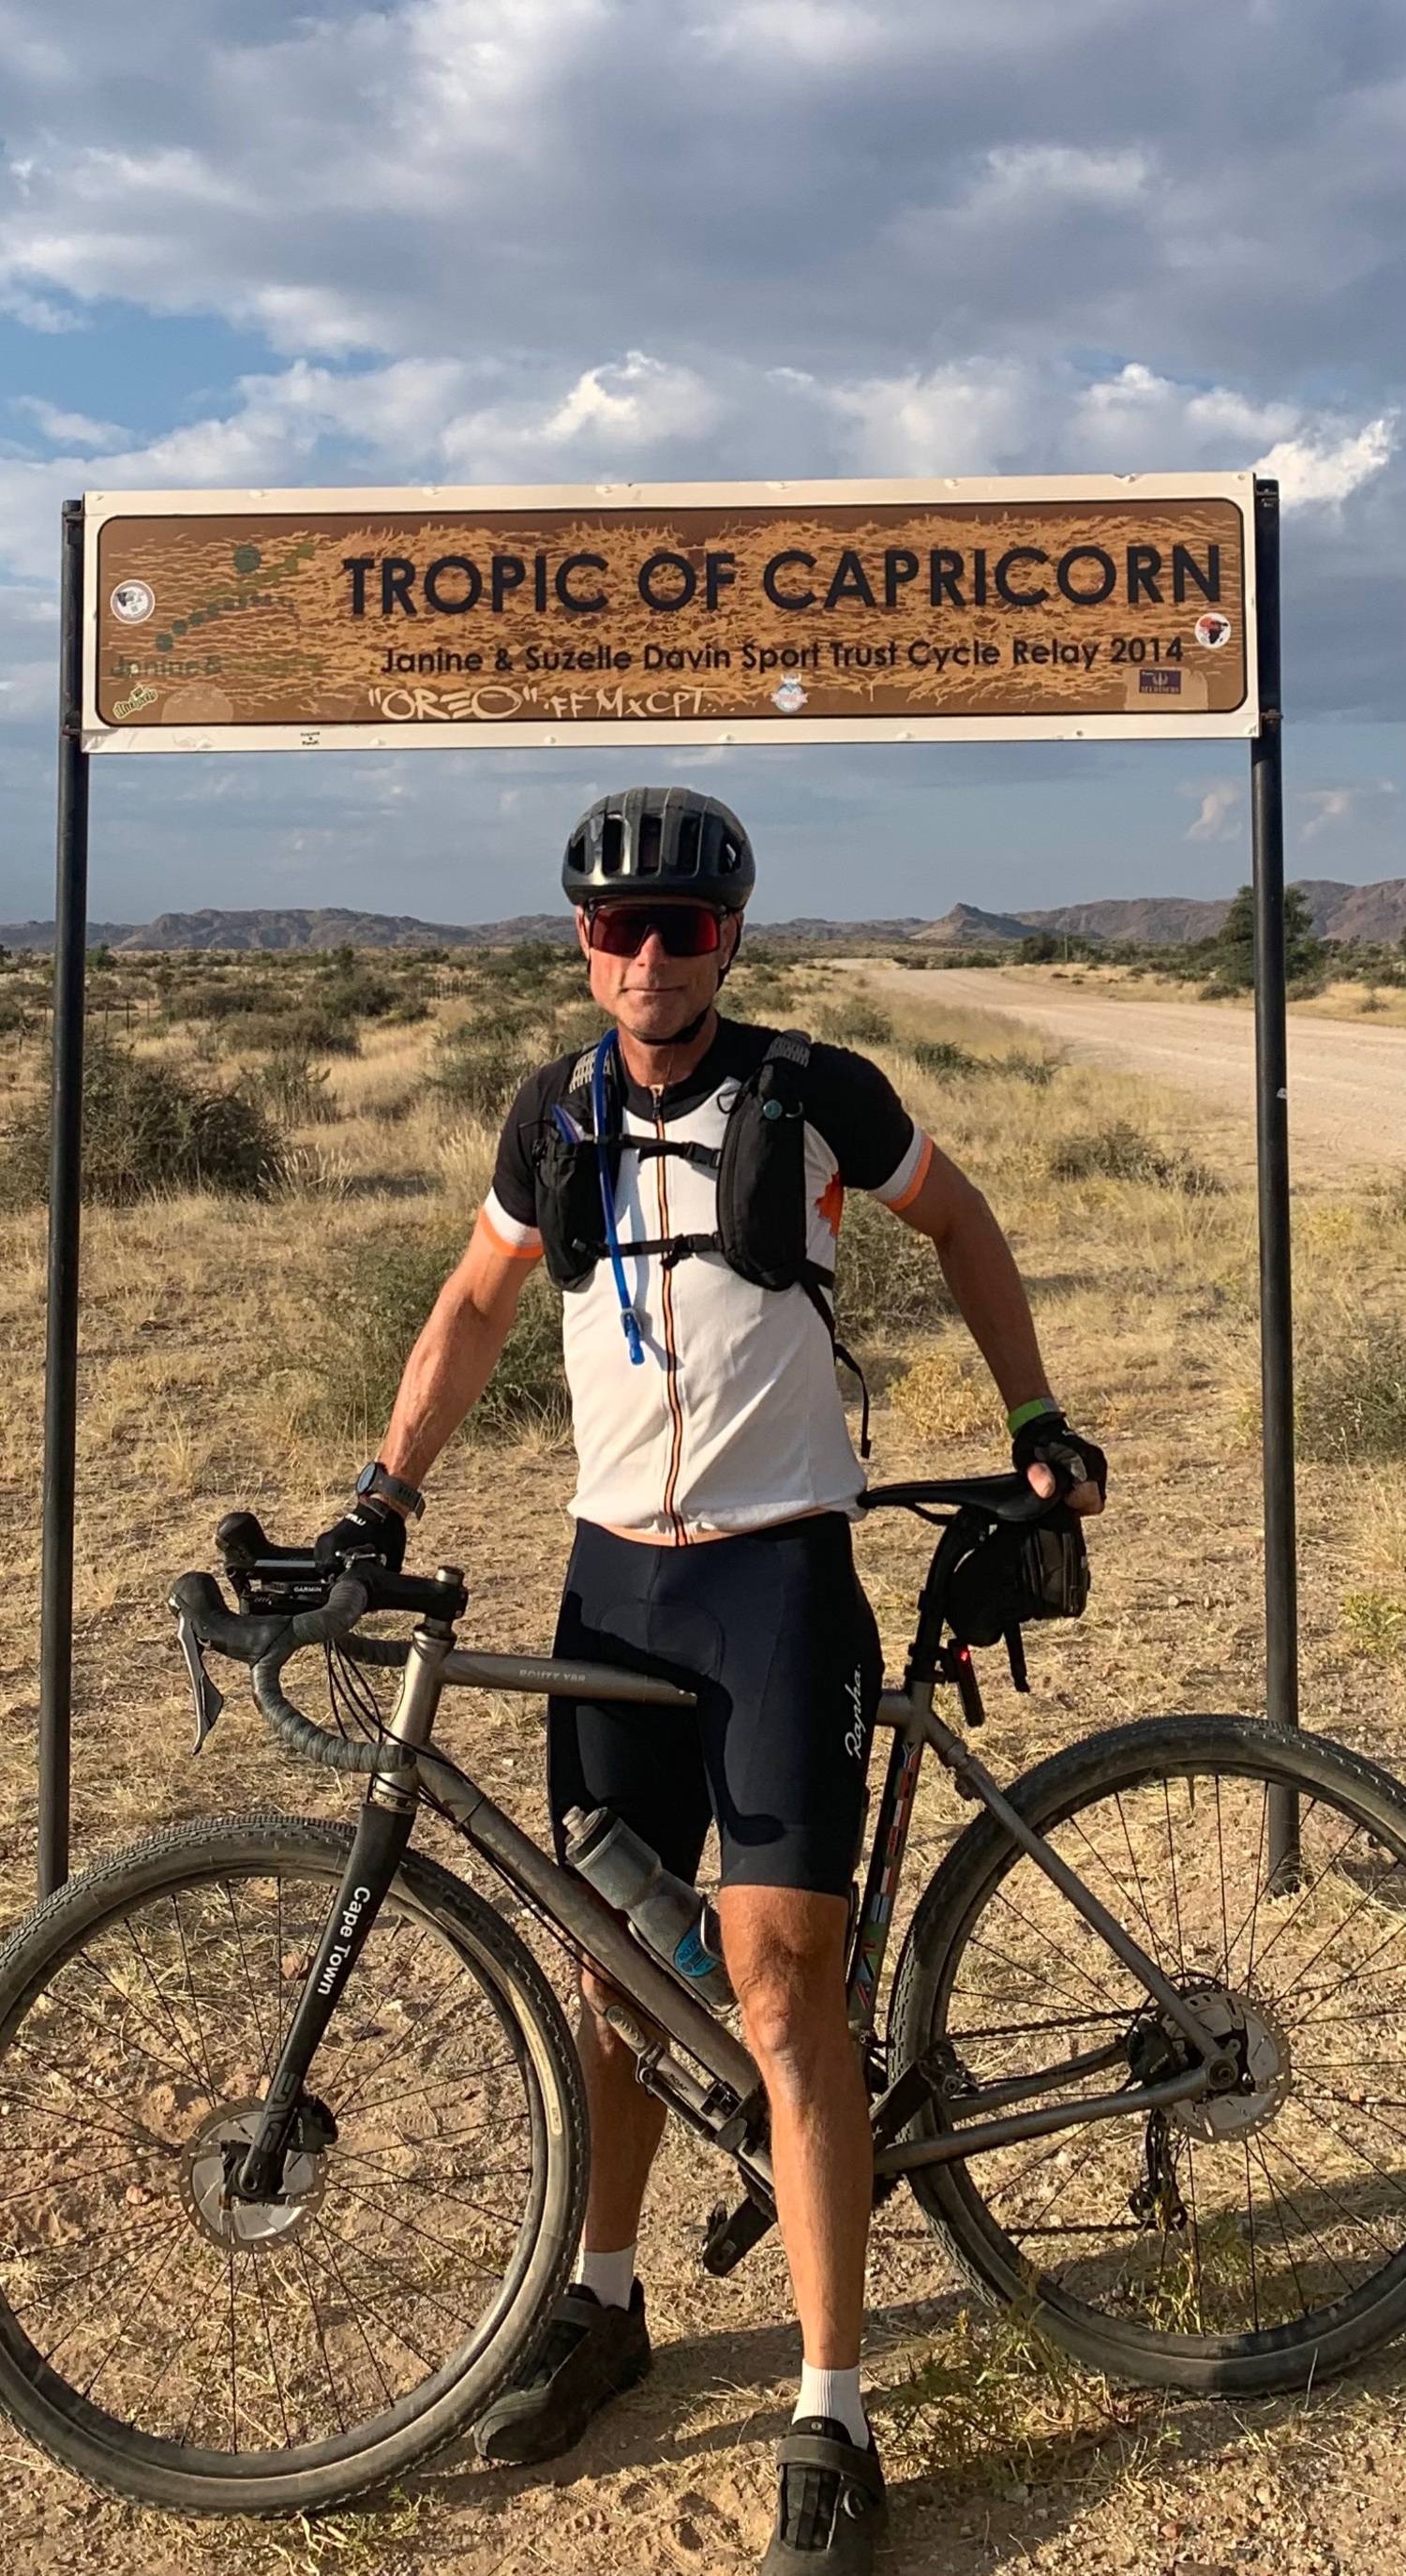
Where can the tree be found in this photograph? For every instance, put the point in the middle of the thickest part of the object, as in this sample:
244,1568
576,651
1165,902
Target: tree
1232,956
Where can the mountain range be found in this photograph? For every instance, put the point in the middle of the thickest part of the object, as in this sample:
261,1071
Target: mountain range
1373,912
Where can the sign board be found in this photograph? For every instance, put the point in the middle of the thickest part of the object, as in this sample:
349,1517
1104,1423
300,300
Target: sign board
1074,608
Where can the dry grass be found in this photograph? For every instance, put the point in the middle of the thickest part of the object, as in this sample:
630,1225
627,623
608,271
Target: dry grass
203,1381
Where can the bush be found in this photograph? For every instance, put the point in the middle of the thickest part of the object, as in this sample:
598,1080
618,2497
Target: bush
1352,1395
478,1070
148,1130
942,1056
295,1091
375,1317
857,1023
887,1280
1121,1153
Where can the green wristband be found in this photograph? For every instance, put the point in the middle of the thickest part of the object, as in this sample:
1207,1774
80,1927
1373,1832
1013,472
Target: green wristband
1038,1408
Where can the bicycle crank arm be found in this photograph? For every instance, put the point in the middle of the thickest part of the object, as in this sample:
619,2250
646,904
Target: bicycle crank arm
981,2136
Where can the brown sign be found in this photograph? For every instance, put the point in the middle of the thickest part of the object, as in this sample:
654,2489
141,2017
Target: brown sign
736,613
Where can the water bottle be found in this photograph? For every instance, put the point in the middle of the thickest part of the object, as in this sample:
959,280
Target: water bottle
667,1915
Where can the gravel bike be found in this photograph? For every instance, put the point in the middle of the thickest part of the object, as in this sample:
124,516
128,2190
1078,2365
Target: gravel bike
294,2139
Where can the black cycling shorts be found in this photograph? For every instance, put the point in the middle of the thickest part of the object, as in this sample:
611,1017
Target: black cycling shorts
774,1634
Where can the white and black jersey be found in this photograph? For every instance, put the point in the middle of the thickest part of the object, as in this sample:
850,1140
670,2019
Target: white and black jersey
734,1420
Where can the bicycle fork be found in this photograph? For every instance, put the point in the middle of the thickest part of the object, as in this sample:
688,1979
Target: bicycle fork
379,1844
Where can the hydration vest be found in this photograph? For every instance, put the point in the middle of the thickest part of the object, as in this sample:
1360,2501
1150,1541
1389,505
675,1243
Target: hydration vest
761,1187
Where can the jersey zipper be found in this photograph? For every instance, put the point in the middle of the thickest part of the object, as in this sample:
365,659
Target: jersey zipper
671,1356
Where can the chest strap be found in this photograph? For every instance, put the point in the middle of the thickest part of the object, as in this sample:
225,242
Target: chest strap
671,1249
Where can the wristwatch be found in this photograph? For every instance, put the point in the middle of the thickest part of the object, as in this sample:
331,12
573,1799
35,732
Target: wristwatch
376,1479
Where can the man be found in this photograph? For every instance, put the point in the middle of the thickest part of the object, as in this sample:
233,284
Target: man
717,1485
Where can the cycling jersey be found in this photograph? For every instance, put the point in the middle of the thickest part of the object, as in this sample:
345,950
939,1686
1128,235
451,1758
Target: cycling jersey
734,1421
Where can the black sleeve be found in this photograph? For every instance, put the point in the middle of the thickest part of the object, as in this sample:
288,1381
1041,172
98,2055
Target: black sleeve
856,1109
514,1172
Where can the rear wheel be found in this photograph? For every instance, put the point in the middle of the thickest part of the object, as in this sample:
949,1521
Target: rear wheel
289,2354
1243,2241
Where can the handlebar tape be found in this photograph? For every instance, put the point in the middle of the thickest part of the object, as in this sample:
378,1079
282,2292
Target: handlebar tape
266,1644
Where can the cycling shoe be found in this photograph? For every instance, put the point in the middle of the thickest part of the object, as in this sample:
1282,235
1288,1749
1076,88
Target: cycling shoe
591,2354
831,2509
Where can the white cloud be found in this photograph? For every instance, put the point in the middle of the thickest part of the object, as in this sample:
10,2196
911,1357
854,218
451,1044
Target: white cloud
955,420
1217,819
1330,805
1317,469
70,429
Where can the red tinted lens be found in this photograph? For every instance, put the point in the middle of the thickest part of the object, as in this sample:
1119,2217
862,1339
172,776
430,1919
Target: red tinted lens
684,929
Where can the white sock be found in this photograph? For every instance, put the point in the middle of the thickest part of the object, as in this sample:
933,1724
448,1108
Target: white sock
834,2393
611,2276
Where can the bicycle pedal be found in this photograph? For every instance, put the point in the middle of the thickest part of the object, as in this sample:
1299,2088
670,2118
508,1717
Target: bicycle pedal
731,2234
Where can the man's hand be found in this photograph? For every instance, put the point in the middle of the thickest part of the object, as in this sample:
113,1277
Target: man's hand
1061,1462
373,1528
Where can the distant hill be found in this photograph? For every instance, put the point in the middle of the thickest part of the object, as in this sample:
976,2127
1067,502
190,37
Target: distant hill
1374,912
1163,921
966,926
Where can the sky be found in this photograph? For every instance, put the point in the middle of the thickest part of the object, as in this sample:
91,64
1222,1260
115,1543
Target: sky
578,240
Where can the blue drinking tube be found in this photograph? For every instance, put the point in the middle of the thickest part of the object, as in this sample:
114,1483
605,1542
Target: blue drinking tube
628,1317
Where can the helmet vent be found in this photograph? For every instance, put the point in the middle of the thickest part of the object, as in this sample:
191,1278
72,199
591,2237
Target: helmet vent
612,845
576,855
647,846
686,846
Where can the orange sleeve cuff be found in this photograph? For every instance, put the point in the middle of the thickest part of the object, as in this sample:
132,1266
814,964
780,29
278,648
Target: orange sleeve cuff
916,1183
500,1243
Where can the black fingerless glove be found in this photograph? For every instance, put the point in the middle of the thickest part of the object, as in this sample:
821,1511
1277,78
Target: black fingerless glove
371,1529
1071,1459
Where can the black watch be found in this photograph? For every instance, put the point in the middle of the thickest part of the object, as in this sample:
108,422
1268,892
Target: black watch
378,1480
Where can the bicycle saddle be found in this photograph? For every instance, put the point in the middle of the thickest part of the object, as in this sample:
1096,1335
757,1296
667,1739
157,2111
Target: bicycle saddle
1002,1498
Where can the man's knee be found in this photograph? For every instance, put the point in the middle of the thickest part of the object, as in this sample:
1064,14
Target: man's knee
785,1956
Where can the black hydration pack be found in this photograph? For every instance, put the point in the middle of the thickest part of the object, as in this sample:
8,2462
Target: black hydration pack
761,1209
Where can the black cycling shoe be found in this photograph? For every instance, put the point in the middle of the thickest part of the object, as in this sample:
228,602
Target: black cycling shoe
832,2509
591,2355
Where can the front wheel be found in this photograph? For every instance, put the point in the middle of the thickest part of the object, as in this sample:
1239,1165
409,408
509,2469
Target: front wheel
1245,2241
279,2356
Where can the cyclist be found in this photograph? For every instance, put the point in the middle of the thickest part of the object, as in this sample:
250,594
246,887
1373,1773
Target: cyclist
685,1181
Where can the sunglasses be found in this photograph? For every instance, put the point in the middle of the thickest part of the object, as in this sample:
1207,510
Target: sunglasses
683,929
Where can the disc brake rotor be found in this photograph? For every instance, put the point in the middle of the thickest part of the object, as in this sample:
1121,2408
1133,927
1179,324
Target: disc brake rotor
250,2224
1249,2033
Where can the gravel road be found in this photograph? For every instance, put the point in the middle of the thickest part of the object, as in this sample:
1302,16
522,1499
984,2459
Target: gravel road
1347,1083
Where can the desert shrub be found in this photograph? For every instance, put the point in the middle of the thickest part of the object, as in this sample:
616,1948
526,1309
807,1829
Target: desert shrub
857,1022
375,1316
942,1056
1037,1069
887,1280
295,1091
1351,1394
148,1130
1120,1152
1374,1624
301,1030
478,1070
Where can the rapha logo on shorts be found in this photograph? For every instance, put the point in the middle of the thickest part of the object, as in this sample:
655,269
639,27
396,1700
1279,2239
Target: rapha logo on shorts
854,1739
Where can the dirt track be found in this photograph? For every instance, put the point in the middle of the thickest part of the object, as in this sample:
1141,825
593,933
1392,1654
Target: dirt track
1347,1084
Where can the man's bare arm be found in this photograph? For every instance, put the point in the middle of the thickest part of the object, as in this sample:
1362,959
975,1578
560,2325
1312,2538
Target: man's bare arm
979,1268
455,1355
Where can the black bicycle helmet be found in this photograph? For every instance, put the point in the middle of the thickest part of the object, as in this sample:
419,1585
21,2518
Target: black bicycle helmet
660,841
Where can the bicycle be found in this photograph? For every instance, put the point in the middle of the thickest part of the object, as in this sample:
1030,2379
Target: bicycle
1160,2112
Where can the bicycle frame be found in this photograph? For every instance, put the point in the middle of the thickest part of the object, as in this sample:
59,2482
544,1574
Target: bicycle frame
729,2109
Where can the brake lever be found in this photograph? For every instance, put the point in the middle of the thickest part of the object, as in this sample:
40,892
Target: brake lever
208,1698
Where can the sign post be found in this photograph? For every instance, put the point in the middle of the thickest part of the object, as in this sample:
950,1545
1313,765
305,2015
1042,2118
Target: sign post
1076,608
1281,1620
65,1202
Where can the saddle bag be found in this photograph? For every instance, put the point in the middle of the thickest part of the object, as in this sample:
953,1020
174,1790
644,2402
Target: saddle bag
1014,1575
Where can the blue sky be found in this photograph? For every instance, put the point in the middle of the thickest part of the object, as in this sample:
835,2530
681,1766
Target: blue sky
579,239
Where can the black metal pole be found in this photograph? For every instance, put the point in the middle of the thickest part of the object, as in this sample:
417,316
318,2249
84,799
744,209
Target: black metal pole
1272,1124
65,1188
